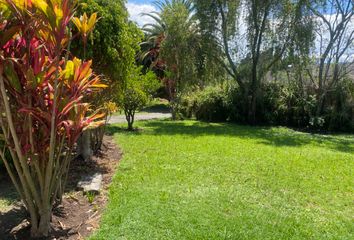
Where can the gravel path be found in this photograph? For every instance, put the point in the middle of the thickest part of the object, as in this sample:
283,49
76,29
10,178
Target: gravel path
139,117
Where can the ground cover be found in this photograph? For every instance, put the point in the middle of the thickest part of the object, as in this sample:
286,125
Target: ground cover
192,180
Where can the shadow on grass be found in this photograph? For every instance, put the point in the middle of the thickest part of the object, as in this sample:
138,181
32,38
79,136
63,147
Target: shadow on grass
113,129
279,137
157,108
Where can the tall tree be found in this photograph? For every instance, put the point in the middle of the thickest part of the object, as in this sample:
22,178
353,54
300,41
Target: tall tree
175,43
113,43
334,47
254,36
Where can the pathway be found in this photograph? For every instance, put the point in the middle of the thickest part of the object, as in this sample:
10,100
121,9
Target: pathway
140,117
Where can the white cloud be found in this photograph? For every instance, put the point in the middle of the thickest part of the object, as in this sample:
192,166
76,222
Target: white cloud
135,10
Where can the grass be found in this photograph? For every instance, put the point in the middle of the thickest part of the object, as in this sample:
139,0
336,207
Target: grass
191,180
8,195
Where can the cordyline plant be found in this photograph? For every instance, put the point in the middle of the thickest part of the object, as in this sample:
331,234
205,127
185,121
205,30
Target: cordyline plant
42,112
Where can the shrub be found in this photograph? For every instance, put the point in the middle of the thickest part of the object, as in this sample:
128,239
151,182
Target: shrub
211,104
187,106
136,93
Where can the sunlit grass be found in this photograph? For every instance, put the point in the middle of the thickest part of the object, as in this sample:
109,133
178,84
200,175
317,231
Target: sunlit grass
191,180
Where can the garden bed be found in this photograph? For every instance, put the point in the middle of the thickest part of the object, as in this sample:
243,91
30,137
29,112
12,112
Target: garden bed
78,215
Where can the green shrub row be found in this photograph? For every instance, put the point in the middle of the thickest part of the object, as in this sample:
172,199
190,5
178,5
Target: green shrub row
277,105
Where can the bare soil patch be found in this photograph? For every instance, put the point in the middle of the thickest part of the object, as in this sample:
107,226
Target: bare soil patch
78,216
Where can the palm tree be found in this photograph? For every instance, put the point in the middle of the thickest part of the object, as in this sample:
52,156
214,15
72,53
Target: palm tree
155,32
164,30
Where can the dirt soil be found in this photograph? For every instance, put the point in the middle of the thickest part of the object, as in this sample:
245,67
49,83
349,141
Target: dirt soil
78,216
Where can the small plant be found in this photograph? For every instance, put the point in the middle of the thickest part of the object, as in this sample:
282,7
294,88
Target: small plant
90,197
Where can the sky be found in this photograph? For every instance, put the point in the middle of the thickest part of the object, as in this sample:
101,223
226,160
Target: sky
137,7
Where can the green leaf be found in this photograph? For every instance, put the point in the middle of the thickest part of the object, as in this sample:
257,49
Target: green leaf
12,77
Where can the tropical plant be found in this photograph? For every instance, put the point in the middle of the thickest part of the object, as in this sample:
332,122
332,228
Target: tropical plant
172,45
97,134
42,108
112,45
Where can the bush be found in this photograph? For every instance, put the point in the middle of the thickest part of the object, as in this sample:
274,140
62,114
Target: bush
278,104
211,104
187,106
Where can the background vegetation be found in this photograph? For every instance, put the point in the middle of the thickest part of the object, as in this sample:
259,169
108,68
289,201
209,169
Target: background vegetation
283,62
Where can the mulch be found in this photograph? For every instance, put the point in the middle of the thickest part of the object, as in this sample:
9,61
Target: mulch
78,216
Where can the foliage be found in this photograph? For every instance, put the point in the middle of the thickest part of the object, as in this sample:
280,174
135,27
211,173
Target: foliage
42,108
211,104
112,45
281,103
136,93
96,135
274,59
197,180
177,51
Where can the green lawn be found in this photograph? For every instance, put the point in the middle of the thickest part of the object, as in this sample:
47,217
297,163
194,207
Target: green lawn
191,180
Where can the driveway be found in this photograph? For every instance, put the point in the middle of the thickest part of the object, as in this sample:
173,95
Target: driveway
140,117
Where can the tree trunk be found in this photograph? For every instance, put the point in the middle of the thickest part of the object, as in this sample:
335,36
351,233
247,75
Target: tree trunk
130,119
130,126
173,110
43,228
252,108
320,104
84,145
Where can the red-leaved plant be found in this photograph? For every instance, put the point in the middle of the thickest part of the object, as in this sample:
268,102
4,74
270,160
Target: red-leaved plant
42,112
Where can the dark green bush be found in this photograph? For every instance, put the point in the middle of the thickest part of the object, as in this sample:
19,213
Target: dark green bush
187,106
211,104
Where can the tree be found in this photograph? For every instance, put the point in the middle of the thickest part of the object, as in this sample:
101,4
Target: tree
41,95
173,41
136,93
250,52
114,41
335,33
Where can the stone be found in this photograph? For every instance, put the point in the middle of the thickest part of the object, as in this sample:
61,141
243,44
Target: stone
91,184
